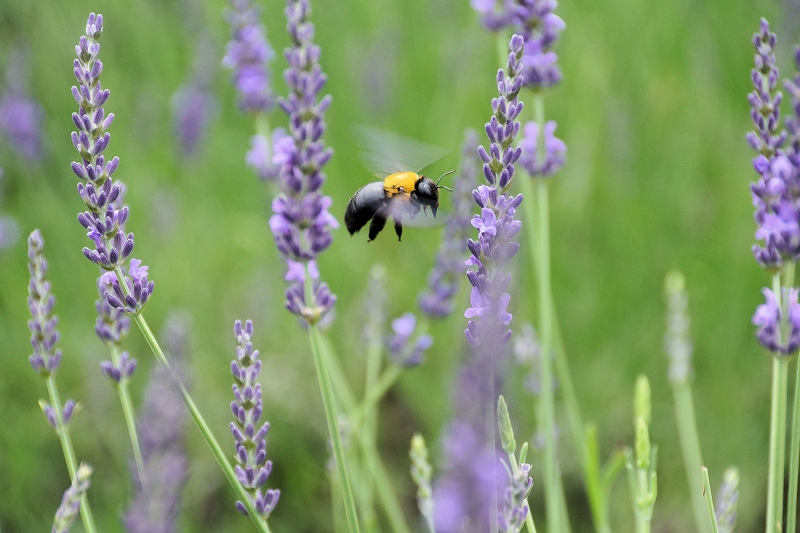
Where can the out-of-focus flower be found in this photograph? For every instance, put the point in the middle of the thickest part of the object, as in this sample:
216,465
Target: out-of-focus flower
162,423
512,516
252,467
727,499
677,343
260,156
248,54
548,161
21,118
194,105
769,316
445,278
9,229
540,28
402,349
495,14
71,502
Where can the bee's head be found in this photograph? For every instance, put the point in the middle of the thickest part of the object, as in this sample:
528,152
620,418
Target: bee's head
428,191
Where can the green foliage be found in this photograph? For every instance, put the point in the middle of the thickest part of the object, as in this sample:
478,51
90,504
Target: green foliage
653,108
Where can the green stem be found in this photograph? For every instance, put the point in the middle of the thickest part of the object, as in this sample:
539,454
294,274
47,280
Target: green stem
369,428
794,455
710,502
374,394
263,127
529,518
129,414
331,416
194,412
380,476
69,451
690,447
777,440
541,229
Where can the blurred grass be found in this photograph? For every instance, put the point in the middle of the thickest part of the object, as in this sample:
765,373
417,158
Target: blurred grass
653,107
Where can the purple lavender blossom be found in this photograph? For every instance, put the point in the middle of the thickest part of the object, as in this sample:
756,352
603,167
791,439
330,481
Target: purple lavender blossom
543,163
252,467
402,349
44,335
194,105
495,14
161,423
71,502
540,28
776,192
496,225
446,275
260,156
512,516
21,118
727,499
301,223
473,475
106,216
769,316
248,55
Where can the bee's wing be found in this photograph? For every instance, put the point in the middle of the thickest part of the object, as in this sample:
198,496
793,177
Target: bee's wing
386,152
401,209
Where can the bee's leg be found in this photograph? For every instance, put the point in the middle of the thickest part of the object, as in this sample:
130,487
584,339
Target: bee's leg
398,228
378,222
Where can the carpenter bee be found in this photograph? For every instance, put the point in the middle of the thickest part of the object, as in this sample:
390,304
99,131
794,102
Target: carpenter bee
401,192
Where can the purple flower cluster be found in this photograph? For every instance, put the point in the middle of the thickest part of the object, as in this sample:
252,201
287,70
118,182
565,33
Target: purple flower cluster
512,516
538,25
402,349
193,108
44,335
770,315
777,193
495,224
540,28
161,422
106,216
446,275
248,55
301,223
71,501
21,118
260,155
540,162
253,468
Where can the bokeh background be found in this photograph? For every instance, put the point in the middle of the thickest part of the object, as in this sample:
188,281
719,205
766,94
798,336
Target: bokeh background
653,108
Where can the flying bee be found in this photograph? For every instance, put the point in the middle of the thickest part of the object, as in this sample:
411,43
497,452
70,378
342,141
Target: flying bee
401,192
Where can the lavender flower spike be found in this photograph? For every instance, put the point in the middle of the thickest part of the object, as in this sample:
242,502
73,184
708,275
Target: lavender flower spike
775,194
402,349
301,223
542,163
248,55
769,316
21,118
496,225
512,516
44,335
161,422
105,216
252,467
540,28
495,14
445,277
71,501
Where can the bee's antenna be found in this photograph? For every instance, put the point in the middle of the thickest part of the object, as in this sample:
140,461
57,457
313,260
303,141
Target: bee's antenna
440,179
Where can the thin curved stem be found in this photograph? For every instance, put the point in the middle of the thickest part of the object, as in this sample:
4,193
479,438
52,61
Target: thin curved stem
69,451
130,415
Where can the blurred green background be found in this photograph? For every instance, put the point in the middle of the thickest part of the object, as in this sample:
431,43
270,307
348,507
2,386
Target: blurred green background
653,108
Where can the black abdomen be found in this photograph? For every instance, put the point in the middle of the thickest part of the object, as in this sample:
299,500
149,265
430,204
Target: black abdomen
363,206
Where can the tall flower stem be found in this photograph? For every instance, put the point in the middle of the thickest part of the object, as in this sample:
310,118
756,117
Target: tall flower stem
539,236
129,414
205,430
370,415
330,415
709,501
69,451
794,455
690,448
380,476
777,432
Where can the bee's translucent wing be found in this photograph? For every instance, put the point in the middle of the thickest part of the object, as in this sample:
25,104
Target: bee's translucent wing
386,152
400,209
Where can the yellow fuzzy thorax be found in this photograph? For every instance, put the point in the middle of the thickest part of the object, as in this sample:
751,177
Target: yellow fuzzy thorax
400,183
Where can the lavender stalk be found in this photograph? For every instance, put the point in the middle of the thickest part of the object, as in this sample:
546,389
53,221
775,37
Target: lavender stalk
46,359
104,219
71,501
